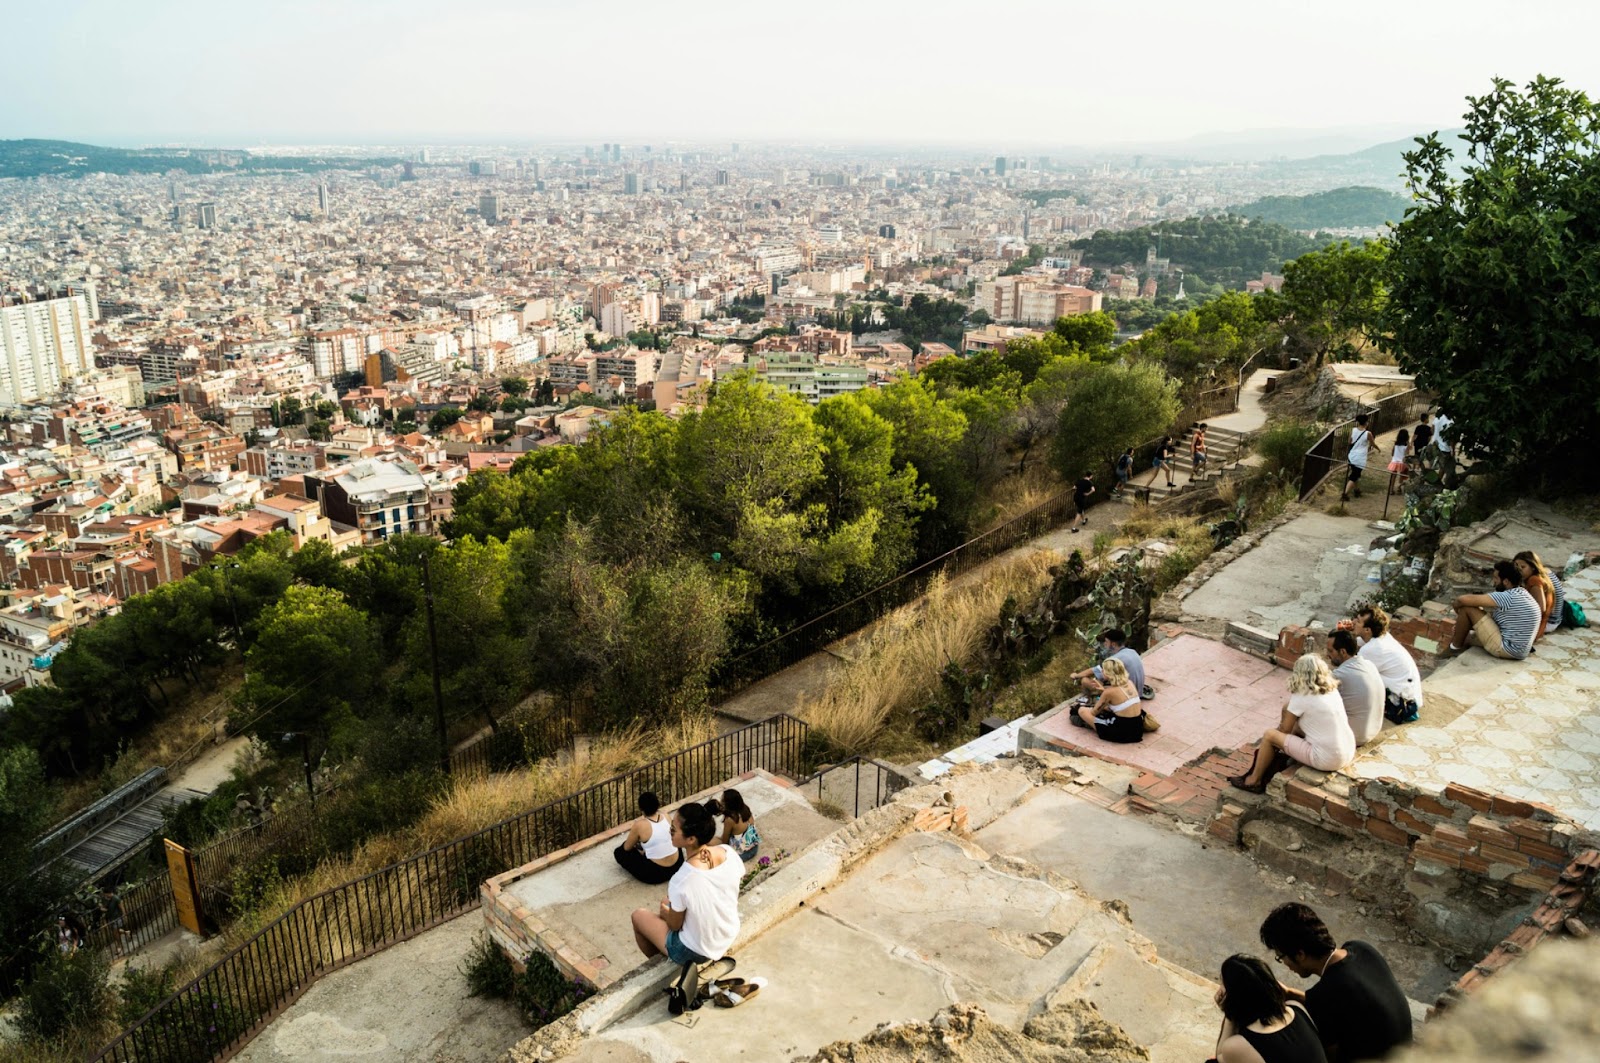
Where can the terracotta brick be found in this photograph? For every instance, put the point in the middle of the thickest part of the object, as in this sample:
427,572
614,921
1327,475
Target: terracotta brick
1496,854
1451,838
1510,806
1484,829
1527,828
1590,859
1533,880
1385,831
1525,937
1466,795
1338,810
1224,827
1432,806
1304,796
1428,851
1413,823
1474,863
1540,850
1381,810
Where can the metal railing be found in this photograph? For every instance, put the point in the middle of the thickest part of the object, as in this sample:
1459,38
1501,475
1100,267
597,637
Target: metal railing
148,912
803,640
881,783
212,1016
1330,453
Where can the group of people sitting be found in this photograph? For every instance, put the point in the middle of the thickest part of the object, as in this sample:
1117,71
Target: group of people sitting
1338,703
702,862
1113,691
1355,1011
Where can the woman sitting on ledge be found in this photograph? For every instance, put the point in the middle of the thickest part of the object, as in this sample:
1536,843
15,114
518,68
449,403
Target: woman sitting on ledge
648,853
1117,716
1314,729
738,824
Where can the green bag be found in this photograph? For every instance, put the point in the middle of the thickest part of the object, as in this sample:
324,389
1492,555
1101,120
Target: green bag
1572,615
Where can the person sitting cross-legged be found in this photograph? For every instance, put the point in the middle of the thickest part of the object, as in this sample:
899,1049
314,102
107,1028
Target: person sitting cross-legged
1503,621
1313,729
698,920
1113,644
1117,716
1260,1023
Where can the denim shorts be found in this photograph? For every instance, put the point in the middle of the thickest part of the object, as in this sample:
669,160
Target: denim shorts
681,954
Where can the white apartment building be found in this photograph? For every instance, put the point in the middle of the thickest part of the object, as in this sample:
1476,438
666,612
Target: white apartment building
799,373
43,343
336,351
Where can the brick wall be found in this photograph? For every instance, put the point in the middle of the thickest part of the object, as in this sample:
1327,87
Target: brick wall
1423,632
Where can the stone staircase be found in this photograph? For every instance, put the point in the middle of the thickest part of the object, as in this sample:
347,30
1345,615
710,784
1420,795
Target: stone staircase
1223,447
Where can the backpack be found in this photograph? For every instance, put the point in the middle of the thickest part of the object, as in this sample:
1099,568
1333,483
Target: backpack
1572,614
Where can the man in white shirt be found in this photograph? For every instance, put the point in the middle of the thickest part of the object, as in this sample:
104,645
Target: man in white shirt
1360,449
1360,686
698,919
1402,681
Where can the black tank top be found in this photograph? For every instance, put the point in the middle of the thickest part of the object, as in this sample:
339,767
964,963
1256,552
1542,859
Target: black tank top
1295,1043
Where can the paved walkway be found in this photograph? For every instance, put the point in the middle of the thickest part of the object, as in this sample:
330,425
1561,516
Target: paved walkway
1535,735
1251,414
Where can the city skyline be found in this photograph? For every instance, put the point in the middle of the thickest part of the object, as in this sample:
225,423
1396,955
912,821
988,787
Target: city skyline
939,73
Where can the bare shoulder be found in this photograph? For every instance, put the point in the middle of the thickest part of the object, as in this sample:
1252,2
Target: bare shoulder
1235,1049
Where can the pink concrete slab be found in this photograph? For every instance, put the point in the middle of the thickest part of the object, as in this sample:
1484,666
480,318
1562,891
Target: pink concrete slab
1208,695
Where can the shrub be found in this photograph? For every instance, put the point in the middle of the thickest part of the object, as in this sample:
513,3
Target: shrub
488,971
1283,446
543,993
69,992
142,989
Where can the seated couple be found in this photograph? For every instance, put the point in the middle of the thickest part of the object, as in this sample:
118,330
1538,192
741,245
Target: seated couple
1507,620
698,920
651,855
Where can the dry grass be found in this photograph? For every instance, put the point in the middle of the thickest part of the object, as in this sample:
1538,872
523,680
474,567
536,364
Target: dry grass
897,666
1050,685
1016,495
478,801
1188,534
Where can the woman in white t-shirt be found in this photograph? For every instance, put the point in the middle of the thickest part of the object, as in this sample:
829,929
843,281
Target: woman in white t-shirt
1314,729
698,920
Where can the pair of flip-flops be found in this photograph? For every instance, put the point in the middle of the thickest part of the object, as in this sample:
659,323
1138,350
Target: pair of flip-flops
731,992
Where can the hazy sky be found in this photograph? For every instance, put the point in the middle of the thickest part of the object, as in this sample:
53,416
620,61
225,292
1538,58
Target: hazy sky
1006,73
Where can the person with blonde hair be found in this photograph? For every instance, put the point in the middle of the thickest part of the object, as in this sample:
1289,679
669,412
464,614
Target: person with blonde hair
1313,730
1117,716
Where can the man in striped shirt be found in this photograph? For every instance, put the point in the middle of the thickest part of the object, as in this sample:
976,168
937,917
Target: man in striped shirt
1503,621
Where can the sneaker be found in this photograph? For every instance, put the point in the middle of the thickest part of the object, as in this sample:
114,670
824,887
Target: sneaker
1074,531
1147,692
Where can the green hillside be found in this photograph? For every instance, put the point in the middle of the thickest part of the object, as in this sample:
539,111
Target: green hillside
1340,208
1224,250
38,158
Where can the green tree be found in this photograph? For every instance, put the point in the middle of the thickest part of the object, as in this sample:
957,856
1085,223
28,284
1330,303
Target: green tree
514,386
927,437
1109,408
27,895
1333,299
1092,334
480,403
327,410
444,418
1494,276
314,661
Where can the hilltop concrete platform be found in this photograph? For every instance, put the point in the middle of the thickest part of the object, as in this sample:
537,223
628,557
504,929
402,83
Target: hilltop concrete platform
1208,695
1527,729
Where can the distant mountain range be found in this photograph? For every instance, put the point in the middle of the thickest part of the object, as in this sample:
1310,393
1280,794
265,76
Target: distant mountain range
37,158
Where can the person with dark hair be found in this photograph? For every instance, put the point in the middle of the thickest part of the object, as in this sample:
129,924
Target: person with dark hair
1117,716
1360,1010
1259,1023
1503,621
1113,643
1197,453
1360,450
1164,455
1421,436
1081,492
1402,681
1124,470
648,852
738,824
1360,686
698,920
1398,467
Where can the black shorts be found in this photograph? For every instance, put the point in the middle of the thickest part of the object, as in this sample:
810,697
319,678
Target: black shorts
1123,730
1355,473
1081,505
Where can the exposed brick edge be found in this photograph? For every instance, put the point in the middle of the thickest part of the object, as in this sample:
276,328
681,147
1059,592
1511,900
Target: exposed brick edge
1193,792
1425,633
1566,898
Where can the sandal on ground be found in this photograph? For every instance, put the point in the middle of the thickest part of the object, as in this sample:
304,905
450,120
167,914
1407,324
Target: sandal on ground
733,996
1077,721
1239,782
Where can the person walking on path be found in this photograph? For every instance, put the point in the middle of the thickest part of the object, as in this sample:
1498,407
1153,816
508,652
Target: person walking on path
1360,449
1397,459
1081,492
1124,472
1197,453
1164,454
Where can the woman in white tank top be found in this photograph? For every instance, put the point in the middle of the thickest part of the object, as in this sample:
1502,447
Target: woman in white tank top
647,853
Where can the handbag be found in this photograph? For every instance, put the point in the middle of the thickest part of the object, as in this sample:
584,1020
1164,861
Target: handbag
1572,614
1150,722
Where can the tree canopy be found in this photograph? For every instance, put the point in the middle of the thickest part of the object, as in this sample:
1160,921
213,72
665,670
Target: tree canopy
1494,276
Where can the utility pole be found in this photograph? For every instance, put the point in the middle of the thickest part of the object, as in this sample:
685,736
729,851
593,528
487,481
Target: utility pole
433,648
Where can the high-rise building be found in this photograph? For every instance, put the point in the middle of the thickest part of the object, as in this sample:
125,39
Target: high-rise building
45,342
630,184
722,177
489,208
206,215
322,197
736,147
533,169
999,165
886,231
683,182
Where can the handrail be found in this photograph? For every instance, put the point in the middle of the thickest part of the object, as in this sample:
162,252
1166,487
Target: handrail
234,998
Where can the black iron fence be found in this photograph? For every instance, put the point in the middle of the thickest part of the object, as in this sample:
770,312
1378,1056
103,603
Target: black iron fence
802,641
148,912
1330,453
857,785
226,1005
